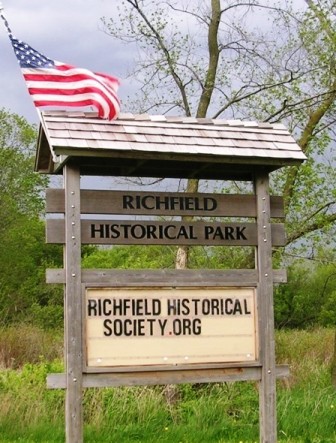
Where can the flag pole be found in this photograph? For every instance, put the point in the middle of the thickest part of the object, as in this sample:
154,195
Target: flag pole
5,21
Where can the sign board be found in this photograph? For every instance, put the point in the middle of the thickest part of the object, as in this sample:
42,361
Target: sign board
127,327
130,232
163,203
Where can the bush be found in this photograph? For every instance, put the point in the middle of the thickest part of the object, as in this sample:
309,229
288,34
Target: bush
22,344
308,299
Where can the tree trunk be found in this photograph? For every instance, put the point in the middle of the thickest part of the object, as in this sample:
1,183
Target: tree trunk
182,255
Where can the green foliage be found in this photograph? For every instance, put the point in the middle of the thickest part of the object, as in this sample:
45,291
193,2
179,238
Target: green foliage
23,253
308,298
163,257
131,257
214,413
21,344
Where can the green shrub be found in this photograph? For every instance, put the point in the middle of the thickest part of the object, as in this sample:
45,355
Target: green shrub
21,344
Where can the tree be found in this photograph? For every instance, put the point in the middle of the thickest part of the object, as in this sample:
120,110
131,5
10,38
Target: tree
250,59
23,253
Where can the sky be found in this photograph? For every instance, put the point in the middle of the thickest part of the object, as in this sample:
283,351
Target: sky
69,31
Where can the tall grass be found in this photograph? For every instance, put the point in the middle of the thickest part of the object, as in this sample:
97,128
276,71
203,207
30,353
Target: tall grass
21,344
220,412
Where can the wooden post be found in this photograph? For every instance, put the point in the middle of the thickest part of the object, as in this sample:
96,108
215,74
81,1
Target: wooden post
73,307
267,388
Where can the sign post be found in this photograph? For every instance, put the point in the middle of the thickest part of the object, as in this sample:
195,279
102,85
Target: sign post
149,327
73,307
267,391
118,324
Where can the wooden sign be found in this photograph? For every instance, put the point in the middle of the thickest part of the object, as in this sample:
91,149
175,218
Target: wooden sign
163,203
125,232
130,327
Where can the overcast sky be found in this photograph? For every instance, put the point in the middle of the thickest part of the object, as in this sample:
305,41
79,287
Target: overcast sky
69,31
65,30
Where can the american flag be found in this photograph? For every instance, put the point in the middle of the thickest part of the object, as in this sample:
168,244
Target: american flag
52,83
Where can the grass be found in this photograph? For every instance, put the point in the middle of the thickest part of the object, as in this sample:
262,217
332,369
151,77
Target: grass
221,413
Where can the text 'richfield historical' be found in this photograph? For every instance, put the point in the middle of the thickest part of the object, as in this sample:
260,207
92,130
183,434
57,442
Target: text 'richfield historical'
140,317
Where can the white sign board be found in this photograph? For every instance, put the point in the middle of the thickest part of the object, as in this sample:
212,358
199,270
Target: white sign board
169,326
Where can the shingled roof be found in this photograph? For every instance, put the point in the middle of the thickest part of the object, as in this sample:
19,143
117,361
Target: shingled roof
162,146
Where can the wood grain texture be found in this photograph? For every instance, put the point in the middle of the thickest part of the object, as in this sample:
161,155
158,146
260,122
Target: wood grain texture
267,390
210,375
125,232
73,308
111,202
167,277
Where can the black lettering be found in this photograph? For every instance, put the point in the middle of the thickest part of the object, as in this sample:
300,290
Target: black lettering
141,327
104,308
246,309
177,327
228,302
156,306
138,231
186,322
182,232
95,230
214,306
166,232
171,307
185,307
229,230
107,330
210,204
191,233
151,231
145,204
196,301
126,305
139,307
162,324
118,329
92,308
114,231
117,307
197,326
189,203
206,307
151,322
127,202
128,332
126,230
237,308
208,230
159,203
240,233
174,201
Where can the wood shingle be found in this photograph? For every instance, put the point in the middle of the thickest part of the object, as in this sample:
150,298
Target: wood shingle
187,147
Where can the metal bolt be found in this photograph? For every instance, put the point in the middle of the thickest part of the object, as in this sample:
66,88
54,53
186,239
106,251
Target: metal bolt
73,275
74,380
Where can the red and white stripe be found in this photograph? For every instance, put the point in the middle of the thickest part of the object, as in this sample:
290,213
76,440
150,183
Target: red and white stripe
65,85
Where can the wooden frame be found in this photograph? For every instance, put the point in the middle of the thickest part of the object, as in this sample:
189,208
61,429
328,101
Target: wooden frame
70,232
247,318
